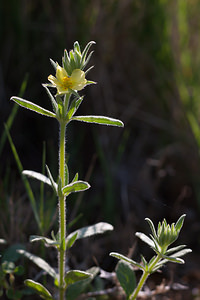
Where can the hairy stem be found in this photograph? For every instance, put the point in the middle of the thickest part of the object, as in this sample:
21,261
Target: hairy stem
62,215
144,277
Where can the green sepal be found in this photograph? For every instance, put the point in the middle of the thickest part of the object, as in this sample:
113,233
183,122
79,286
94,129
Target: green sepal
73,276
47,241
126,277
99,120
85,59
88,231
70,242
39,289
51,97
29,105
124,258
179,223
54,64
41,263
152,227
77,186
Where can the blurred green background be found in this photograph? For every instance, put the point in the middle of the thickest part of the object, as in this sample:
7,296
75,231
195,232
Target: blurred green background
147,62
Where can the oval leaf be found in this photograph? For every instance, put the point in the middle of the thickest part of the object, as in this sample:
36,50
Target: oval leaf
87,231
29,105
75,275
77,186
99,120
38,288
126,277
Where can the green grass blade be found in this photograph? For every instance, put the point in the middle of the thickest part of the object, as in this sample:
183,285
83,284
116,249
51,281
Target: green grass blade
41,263
12,115
25,180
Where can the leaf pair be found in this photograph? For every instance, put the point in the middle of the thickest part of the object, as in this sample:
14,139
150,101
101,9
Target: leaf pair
101,120
75,186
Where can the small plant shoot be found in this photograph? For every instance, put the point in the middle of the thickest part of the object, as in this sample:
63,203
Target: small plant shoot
159,241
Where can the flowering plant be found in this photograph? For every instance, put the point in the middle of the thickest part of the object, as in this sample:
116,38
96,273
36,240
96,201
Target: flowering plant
69,80
159,241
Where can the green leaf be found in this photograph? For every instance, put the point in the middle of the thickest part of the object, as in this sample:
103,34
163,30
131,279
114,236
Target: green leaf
37,176
182,252
59,189
76,275
77,186
71,241
99,120
126,277
145,239
47,241
88,231
53,183
173,259
126,259
41,263
39,289
29,105
77,288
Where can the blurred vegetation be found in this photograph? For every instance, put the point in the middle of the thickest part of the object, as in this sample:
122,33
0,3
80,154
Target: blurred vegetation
147,63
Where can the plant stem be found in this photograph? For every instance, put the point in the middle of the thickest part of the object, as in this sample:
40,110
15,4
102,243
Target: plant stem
62,216
144,277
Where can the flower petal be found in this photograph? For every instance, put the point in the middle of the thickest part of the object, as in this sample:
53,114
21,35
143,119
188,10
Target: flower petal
61,73
53,80
78,79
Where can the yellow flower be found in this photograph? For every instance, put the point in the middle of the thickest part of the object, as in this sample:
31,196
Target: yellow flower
63,82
